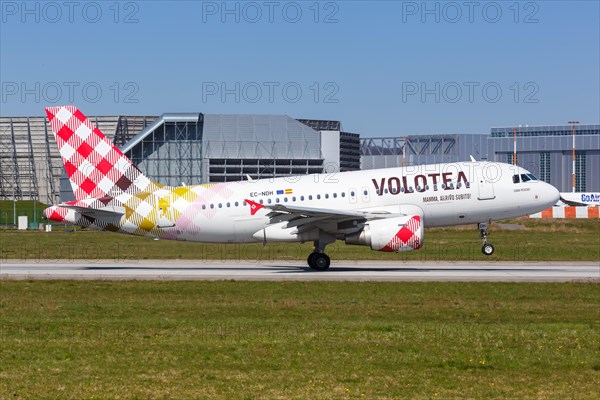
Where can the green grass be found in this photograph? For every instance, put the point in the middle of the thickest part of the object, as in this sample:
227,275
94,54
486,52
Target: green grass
298,340
540,240
33,210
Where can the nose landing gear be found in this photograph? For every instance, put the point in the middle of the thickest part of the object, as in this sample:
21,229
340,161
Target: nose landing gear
488,248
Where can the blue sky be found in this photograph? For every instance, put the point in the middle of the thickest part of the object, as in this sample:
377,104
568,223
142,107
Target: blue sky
382,68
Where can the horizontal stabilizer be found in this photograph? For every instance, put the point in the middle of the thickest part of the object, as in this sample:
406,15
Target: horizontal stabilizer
104,212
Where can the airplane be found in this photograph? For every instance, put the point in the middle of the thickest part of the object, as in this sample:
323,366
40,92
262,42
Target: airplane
579,199
385,209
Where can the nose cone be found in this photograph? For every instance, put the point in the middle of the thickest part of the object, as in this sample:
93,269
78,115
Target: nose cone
550,195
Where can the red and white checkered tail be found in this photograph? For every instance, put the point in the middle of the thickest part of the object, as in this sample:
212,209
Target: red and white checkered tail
94,165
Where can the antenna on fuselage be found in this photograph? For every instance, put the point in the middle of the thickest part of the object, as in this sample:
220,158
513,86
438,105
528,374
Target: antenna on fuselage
472,158
249,178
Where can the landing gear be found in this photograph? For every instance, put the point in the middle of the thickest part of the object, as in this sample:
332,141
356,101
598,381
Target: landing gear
318,260
488,248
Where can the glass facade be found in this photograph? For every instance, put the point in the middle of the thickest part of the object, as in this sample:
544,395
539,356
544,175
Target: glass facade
510,158
553,130
171,153
232,169
545,167
580,176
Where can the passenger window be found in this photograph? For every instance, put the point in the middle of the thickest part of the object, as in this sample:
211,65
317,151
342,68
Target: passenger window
326,195
285,199
310,196
277,200
335,195
204,206
261,202
220,205
352,194
318,197
343,194
268,201
237,204
293,198
301,198
228,205
212,206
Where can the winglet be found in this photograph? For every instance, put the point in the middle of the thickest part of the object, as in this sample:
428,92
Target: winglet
254,206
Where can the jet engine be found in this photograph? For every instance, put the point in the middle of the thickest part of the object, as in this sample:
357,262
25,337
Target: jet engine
390,234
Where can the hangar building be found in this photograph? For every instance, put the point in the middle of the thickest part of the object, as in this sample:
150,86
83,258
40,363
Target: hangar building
176,149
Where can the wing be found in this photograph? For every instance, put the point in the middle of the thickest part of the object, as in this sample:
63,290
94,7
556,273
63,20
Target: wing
329,220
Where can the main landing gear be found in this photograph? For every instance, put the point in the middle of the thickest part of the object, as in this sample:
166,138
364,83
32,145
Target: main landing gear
488,248
318,260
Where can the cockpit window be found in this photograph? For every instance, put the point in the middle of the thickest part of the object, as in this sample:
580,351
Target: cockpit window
523,178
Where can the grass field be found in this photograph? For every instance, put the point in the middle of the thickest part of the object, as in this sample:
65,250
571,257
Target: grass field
8,209
537,240
294,340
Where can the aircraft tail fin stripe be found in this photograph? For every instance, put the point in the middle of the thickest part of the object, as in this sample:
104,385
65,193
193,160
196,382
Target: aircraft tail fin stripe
94,165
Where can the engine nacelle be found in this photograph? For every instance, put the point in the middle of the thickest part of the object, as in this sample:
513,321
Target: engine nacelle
391,234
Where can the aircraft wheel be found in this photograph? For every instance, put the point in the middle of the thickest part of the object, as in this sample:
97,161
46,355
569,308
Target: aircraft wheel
319,261
311,259
487,249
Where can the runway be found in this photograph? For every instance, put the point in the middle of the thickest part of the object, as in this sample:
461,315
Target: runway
384,271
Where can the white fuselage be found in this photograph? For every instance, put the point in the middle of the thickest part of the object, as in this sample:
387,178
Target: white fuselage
443,194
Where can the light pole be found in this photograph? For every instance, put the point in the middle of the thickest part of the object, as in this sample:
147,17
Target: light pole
514,146
573,123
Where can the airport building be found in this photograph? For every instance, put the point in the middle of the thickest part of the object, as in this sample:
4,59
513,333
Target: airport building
179,149
194,148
